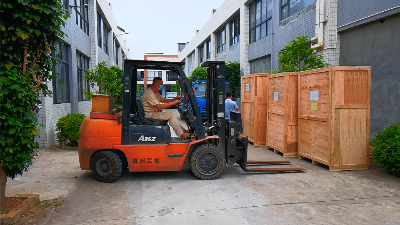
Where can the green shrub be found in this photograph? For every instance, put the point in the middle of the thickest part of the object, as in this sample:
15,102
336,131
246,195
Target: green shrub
68,129
387,149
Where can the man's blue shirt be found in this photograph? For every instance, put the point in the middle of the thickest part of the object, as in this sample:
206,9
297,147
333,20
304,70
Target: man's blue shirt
229,106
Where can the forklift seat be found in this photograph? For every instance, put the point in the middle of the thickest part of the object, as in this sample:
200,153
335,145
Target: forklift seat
139,118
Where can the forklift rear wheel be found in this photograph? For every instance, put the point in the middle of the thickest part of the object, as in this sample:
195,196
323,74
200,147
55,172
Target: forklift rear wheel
207,162
106,166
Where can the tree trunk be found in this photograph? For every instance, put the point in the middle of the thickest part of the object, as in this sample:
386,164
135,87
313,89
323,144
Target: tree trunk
3,181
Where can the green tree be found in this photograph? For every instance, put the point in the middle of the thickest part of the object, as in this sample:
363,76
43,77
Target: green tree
29,30
298,56
175,87
109,81
199,72
232,75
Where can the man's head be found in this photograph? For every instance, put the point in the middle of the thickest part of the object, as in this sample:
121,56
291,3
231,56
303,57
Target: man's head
228,95
157,82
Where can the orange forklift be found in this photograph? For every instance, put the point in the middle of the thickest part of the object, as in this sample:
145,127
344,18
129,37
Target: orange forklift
108,145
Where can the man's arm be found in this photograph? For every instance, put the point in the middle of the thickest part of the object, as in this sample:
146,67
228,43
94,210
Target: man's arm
167,105
163,100
236,107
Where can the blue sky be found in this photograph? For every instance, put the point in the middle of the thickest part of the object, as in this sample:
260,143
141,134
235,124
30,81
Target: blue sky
157,26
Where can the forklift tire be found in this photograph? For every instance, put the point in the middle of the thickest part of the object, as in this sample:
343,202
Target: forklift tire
207,162
106,166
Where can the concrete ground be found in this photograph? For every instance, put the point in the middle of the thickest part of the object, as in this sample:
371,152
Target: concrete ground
315,196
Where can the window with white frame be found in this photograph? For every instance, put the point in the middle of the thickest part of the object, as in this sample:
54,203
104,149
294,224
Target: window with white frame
140,75
235,30
116,55
82,64
209,49
191,62
152,74
82,15
221,40
105,38
260,19
61,76
65,4
99,43
201,53
290,7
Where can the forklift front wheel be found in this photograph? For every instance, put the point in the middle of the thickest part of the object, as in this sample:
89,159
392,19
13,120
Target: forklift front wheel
106,166
207,162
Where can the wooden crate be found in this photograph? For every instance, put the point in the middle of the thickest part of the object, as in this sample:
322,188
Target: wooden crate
281,132
334,117
254,107
102,103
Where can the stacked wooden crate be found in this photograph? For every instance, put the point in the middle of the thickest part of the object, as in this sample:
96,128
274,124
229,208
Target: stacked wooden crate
254,107
334,116
281,130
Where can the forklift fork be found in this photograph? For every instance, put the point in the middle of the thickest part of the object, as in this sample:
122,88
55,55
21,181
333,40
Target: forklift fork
244,164
237,152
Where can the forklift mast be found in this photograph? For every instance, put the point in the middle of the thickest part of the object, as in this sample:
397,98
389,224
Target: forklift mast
215,95
234,146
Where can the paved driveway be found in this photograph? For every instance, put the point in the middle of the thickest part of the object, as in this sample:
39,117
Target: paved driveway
316,196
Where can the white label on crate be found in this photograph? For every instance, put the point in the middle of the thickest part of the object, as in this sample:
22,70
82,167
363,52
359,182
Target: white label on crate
276,96
314,96
127,91
221,114
247,87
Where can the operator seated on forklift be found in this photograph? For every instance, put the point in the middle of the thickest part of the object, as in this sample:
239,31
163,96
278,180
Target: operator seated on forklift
152,104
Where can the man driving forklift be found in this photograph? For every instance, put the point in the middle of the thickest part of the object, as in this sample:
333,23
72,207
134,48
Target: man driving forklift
153,103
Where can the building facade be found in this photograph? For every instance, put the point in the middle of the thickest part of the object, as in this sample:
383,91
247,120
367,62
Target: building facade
92,36
369,36
345,32
252,32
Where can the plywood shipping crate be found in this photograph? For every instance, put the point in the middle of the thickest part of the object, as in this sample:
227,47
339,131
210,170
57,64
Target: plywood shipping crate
254,107
334,117
282,113
102,103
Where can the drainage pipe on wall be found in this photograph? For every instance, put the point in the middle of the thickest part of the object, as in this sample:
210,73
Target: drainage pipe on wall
315,38
319,25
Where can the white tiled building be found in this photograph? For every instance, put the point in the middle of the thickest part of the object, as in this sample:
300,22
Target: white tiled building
347,33
252,32
92,36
